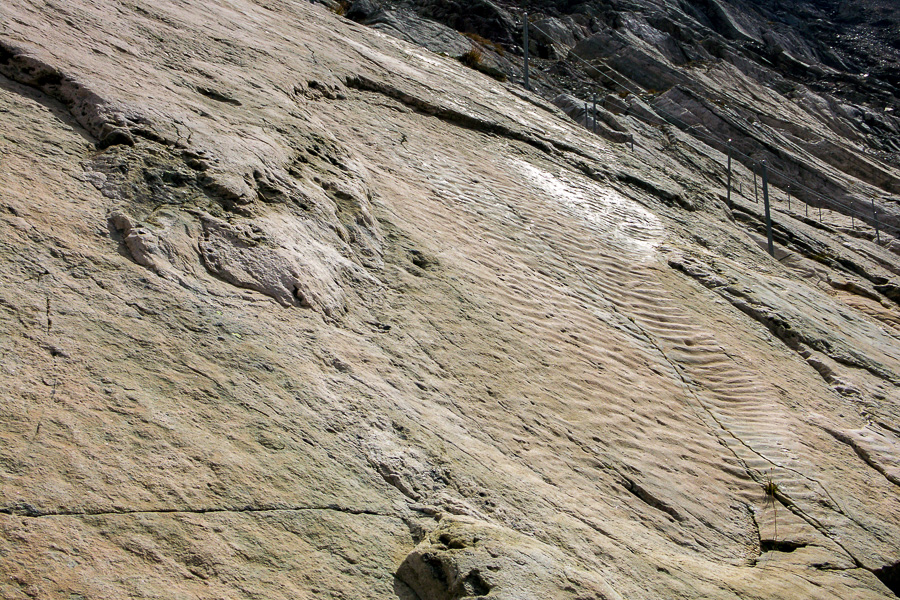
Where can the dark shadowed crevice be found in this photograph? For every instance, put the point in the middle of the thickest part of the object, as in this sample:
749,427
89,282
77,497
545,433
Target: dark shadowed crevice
890,577
57,108
780,545
651,500
218,96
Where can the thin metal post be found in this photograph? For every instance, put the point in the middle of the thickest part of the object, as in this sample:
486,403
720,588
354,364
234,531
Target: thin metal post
730,205
525,42
877,229
806,202
755,190
789,197
765,183
819,204
595,113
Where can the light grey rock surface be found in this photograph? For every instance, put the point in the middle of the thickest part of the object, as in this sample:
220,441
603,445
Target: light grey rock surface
295,309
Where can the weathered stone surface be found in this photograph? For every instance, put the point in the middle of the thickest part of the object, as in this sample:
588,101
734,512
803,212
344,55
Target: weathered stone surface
483,17
407,25
465,558
334,316
637,59
606,123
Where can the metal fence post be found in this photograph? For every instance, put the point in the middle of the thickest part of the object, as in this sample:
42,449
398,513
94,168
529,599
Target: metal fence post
525,42
819,204
765,183
755,189
595,113
875,215
730,205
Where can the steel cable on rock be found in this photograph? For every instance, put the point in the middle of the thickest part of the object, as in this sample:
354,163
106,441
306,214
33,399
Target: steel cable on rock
633,88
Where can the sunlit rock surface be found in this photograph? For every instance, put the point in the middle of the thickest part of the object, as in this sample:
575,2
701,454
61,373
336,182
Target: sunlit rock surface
294,309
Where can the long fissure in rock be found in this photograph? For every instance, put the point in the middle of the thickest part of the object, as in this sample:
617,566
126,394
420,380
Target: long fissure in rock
864,454
460,119
24,509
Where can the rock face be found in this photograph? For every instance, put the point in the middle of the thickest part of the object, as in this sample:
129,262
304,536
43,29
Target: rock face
295,309
812,89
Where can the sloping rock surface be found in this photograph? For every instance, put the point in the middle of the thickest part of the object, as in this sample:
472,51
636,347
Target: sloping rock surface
811,89
294,309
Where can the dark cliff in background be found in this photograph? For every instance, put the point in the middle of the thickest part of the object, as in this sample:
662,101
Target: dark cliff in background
813,89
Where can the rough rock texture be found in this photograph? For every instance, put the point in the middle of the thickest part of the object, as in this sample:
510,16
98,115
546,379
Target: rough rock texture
295,309
812,89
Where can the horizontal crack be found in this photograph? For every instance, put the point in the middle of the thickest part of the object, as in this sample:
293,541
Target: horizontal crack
27,510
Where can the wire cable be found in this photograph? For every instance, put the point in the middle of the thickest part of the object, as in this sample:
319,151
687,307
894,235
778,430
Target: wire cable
635,89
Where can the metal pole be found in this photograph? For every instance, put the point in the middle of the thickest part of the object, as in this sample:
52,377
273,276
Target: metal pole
595,113
807,207
755,190
587,116
789,197
765,182
730,205
525,42
819,204
875,214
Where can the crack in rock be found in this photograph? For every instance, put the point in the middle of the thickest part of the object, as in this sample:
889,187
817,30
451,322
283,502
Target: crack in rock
476,123
107,123
25,509
871,447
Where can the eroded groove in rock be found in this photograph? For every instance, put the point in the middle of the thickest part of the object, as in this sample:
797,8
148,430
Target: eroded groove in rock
873,449
108,125
651,500
24,509
461,119
781,546
218,96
